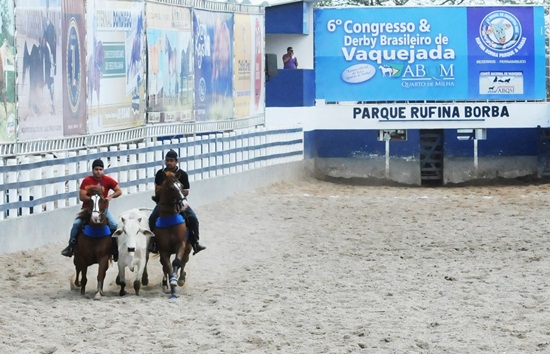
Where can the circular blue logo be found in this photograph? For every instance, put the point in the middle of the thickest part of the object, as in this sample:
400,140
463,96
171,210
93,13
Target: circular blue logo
500,30
73,66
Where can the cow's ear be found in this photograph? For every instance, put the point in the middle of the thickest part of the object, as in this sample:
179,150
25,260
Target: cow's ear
117,233
148,233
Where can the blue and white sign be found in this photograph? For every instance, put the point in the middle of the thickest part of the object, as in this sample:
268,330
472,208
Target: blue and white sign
446,53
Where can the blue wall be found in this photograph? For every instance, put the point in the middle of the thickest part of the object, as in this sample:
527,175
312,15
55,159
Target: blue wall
287,19
355,143
290,88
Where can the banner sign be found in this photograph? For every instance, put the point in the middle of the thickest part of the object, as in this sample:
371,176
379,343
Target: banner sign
248,82
422,53
7,73
170,64
40,82
115,64
213,62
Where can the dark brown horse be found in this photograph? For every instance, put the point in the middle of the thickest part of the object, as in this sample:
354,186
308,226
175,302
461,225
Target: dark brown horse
171,233
94,241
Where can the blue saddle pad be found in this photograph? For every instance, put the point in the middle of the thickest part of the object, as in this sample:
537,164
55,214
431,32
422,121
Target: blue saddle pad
97,231
168,221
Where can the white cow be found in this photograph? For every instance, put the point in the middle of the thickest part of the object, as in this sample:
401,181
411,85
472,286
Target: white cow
133,236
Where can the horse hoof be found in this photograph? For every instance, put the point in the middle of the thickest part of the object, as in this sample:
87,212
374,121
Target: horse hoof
173,297
173,281
97,296
122,293
181,282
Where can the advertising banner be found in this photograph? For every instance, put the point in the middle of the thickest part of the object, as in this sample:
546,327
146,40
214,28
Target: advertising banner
422,53
40,82
249,65
213,65
7,72
73,67
170,64
115,64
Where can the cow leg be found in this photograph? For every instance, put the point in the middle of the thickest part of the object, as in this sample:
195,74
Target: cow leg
139,276
121,278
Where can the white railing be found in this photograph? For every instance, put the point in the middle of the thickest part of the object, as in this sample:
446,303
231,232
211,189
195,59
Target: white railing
34,183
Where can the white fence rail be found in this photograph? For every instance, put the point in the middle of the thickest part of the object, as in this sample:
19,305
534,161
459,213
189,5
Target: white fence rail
47,181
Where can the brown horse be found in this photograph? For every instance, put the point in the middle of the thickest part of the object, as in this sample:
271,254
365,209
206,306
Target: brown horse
94,241
171,233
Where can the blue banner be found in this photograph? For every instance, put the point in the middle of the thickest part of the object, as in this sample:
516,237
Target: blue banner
446,53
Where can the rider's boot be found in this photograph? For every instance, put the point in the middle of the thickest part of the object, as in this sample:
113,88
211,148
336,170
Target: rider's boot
69,250
195,243
197,247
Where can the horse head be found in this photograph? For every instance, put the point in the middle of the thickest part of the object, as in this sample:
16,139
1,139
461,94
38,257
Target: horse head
97,206
171,190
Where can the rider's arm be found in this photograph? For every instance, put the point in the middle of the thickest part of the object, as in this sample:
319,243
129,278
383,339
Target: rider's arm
84,195
117,193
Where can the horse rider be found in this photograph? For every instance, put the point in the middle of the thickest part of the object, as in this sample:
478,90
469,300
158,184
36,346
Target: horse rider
107,183
171,162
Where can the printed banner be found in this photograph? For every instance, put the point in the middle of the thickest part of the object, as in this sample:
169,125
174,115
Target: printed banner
170,64
213,65
7,72
249,64
444,53
73,67
40,82
115,64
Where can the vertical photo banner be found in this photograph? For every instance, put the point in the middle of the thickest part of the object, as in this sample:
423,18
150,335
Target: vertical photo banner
248,81
7,72
170,67
430,53
73,67
40,82
114,64
213,65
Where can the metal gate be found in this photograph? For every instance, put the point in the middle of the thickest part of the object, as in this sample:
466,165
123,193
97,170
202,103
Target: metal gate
431,156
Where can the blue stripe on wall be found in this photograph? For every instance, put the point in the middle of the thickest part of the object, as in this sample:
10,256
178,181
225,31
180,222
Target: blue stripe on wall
364,143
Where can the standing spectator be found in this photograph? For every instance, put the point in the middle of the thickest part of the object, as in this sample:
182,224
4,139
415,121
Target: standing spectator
289,60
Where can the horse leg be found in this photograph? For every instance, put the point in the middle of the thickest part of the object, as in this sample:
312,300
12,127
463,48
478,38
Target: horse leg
184,260
83,281
145,276
102,270
166,269
77,278
121,279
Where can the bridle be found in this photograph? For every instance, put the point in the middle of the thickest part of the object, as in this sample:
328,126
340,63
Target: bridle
178,199
97,214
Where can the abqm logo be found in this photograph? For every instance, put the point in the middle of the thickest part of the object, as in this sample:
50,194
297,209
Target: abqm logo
500,34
